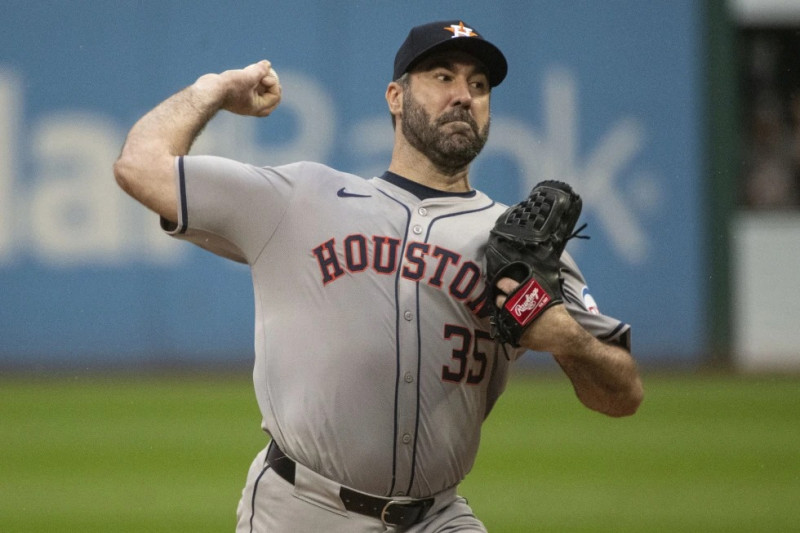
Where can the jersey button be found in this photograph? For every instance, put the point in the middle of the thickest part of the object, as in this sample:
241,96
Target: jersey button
422,211
406,438
409,377
408,315
417,229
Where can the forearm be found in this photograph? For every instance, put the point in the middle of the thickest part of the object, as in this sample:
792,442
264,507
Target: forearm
145,166
172,127
605,376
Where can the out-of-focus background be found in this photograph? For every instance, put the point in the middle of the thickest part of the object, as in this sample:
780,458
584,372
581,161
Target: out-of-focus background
678,121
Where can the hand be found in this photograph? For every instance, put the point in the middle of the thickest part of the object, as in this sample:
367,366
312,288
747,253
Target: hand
551,331
254,90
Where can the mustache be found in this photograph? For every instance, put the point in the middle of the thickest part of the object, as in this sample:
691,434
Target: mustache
458,115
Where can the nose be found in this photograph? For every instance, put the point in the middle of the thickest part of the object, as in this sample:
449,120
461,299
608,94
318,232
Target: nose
462,96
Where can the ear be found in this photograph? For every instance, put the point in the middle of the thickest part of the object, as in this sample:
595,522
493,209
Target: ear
394,98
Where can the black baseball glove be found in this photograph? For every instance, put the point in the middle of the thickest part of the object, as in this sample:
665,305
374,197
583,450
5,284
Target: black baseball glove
526,244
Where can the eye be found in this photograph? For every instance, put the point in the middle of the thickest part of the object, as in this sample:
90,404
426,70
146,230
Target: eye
443,76
480,85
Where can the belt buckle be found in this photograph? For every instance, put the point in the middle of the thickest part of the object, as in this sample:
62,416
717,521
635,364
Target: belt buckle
385,511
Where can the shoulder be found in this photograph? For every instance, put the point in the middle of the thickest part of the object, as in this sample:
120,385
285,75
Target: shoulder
493,209
568,263
313,170
312,177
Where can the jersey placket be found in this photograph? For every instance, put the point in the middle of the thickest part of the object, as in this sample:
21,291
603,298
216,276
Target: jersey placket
408,361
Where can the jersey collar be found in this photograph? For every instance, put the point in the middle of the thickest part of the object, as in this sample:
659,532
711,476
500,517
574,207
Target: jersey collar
421,191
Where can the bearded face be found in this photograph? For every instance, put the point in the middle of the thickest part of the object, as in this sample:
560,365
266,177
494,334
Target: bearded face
450,142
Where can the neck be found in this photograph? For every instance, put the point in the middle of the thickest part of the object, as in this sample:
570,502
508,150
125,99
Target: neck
412,165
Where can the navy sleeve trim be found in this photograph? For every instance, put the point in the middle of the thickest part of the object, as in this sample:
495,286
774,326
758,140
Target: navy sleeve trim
624,338
184,218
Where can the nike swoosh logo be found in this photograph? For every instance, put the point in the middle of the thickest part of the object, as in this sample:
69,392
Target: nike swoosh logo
341,193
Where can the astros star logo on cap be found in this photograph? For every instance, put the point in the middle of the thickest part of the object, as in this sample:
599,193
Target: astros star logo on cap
461,30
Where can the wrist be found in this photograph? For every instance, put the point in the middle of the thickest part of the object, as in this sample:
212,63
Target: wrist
209,91
556,332
575,342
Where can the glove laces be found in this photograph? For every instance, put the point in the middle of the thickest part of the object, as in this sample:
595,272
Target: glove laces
577,233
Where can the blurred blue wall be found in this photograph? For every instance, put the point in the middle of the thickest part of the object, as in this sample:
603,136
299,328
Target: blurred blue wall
606,95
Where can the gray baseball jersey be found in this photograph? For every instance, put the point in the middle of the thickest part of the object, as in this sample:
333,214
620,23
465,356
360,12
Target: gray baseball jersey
373,360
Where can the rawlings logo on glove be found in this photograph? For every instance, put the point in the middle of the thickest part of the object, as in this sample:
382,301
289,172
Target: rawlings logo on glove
526,244
528,302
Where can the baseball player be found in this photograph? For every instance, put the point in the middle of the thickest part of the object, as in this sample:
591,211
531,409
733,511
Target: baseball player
375,364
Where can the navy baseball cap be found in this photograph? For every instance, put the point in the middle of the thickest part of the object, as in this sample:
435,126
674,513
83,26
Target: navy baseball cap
449,35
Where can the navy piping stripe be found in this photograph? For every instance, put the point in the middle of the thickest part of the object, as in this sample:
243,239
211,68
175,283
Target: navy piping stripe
416,414
484,208
397,345
613,332
253,499
184,222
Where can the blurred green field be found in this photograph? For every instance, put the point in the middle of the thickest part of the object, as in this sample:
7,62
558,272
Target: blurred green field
132,454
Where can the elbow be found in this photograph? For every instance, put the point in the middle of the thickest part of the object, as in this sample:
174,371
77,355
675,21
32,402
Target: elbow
618,402
149,181
123,173
623,409
625,403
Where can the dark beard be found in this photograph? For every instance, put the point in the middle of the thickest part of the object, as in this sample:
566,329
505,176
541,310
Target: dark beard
450,153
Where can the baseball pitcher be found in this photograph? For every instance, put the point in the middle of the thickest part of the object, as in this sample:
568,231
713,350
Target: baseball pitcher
389,310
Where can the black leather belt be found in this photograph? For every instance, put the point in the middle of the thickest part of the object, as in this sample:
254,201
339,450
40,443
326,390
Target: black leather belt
390,512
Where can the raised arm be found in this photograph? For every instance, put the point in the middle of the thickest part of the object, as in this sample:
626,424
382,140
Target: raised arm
145,167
